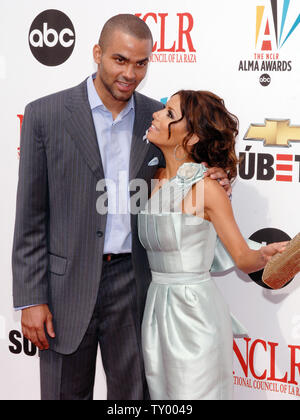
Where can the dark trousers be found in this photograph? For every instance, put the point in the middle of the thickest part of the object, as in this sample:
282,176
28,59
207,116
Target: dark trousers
113,327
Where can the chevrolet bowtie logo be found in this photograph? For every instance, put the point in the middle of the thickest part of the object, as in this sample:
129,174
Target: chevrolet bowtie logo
274,133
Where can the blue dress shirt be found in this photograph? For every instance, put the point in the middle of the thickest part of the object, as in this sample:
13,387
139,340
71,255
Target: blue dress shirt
114,139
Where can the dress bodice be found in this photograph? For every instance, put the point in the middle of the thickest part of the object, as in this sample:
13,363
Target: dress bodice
177,242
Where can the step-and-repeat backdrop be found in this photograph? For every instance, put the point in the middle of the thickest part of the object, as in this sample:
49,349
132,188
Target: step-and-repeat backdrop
246,52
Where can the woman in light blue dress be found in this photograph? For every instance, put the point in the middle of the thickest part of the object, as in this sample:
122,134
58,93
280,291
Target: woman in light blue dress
187,330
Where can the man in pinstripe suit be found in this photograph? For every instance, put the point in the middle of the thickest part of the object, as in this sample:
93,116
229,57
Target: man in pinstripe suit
80,276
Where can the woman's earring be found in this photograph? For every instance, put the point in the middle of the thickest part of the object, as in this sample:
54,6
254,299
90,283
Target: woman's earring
175,152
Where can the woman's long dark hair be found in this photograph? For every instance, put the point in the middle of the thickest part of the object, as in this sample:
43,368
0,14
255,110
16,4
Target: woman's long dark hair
216,127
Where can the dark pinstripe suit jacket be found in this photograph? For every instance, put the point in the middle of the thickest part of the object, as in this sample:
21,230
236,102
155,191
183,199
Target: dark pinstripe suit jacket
59,236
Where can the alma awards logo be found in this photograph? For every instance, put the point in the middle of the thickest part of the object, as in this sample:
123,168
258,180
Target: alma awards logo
275,25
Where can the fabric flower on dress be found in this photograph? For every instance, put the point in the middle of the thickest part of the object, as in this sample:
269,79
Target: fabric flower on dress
189,171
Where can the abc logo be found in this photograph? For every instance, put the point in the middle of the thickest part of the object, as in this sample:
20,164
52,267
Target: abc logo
265,80
52,38
265,237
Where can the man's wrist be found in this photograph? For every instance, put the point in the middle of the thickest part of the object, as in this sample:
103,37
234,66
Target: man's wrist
20,308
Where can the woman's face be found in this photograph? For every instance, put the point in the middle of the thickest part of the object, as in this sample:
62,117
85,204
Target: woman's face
158,133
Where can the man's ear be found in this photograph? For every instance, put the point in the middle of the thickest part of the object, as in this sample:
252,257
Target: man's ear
97,53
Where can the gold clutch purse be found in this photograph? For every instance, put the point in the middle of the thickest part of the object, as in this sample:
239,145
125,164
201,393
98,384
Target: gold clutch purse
283,267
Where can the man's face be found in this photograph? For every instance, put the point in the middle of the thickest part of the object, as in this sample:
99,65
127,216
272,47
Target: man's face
122,64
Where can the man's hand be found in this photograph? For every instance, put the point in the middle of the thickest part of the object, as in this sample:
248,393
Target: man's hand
34,320
220,175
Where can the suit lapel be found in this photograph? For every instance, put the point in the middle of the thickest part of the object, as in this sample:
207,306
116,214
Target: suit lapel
80,126
139,147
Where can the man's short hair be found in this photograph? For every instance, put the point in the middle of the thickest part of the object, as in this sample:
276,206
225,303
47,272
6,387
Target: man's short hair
129,24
